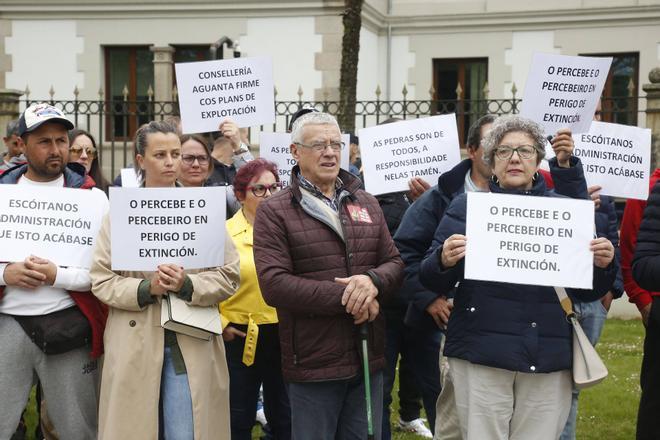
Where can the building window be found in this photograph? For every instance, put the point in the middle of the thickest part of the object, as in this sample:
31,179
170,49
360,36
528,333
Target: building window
190,53
619,101
472,75
129,70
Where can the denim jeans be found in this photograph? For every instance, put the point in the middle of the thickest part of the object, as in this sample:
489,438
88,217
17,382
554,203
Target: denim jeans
335,409
177,416
244,383
418,369
591,316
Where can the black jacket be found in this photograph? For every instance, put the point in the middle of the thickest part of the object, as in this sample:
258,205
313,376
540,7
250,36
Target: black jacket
516,327
646,262
415,234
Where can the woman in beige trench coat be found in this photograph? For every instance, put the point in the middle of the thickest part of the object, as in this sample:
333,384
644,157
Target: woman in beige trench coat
135,342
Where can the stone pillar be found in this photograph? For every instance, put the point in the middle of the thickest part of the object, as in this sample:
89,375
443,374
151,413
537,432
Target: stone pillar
328,60
653,114
163,72
9,109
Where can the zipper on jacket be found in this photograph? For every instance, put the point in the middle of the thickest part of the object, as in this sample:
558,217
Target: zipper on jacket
293,341
342,219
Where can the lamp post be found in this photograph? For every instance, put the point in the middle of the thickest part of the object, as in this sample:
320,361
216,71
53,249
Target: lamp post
217,49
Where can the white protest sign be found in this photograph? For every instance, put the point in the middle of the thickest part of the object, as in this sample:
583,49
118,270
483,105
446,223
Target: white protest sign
275,148
392,154
58,224
562,91
540,241
210,91
152,226
129,178
616,157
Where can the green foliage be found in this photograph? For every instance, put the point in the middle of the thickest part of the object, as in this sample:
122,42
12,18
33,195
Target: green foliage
609,410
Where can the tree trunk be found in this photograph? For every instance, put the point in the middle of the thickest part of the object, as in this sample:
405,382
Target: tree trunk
350,50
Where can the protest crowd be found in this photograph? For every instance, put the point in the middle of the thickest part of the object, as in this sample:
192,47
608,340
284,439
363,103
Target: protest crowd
319,287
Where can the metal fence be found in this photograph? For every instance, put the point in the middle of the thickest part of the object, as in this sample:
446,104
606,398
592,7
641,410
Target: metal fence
113,122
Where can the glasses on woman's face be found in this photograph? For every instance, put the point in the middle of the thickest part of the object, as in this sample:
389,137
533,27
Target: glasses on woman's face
75,151
505,152
190,159
259,190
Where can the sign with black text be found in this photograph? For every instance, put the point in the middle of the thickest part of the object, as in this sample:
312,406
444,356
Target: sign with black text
152,226
542,241
58,224
392,154
562,91
240,89
616,157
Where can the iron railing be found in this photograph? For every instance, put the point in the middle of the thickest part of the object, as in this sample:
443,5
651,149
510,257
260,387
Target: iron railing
113,122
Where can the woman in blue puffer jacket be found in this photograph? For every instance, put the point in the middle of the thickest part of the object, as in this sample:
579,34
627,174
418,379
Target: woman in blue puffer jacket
508,344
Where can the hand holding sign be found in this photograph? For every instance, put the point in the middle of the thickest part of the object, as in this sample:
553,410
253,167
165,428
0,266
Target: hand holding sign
155,288
418,186
563,146
231,131
46,267
453,250
603,252
19,275
171,277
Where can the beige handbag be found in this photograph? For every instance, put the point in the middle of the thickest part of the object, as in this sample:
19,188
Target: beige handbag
199,322
588,368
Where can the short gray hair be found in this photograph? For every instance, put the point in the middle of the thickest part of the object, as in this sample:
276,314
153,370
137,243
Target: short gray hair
507,124
313,118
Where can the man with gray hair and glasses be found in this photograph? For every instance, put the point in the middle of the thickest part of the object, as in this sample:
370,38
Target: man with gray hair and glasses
325,260
14,155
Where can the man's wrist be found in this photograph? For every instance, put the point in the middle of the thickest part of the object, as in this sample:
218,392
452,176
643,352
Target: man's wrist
242,148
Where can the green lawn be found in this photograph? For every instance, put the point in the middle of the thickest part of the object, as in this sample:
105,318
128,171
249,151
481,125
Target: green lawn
607,411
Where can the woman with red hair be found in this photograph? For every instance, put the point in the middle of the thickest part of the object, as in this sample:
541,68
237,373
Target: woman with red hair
250,325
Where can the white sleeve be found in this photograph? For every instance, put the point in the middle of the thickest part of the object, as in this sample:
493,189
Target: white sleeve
3,266
73,278
241,159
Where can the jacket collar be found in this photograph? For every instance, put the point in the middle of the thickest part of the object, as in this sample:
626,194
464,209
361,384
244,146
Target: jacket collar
72,178
238,225
453,180
351,183
538,187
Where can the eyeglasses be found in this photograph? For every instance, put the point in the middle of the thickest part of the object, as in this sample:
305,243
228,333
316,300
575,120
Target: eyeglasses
76,151
321,146
190,159
260,190
505,152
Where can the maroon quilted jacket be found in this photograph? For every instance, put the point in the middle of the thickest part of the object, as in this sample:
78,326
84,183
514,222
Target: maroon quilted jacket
298,254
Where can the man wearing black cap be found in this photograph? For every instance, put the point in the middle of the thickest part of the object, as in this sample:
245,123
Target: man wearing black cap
48,318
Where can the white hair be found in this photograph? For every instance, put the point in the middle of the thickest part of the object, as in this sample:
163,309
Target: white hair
314,118
506,124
